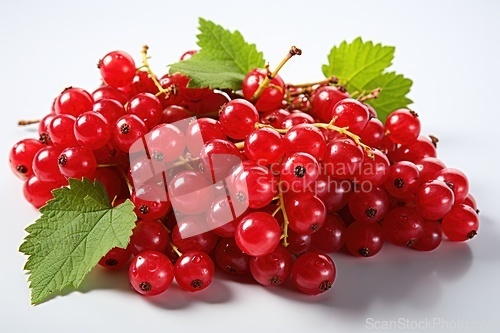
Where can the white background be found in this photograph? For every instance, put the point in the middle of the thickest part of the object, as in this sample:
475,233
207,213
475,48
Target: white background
450,50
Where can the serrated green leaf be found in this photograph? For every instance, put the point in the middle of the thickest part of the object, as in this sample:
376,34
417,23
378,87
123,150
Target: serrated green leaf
360,67
358,62
223,61
394,87
76,229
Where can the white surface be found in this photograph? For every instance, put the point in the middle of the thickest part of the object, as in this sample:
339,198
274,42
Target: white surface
449,48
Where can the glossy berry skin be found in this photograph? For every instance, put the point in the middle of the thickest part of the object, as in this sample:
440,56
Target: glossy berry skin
331,237
230,258
374,170
429,167
457,181
264,146
60,131
173,113
110,109
142,82
323,101
470,201
37,192
415,150
73,101
150,273
313,273
373,133
274,118
304,138
92,130
108,92
127,130
148,235
272,269
296,118
116,258
434,200
165,143
403,180
461,223
403,226
272,96
299,243
204,241
77,162
403,126
43,128
194,271
190,192
45,165
369,207
333,192
218,158
111,181
238,118
352,114
117,68
257,234
364,240
150,201
200,131
343,158
147,107
254,185
306,213
220,218
21,157
298,171
431,237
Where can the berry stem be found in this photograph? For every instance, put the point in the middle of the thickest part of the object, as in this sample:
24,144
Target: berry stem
371,95
240,145
145,65
28,122
176,249
110,165
124,176
331,80
285,216
264,84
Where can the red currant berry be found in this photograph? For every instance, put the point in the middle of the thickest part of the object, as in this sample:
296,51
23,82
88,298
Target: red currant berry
306,213
402,126
343,158
364,240
45,165
298,171
331,237
60,131
350,113
369,207
150,201
116,258
151,273
434,200
148,235
117,68
21,157
271,97
431,237
324,99
110,109
127,130
264,146
403,180
403,226
92,130
272,269
147,107
457,181
73,101
37,192
304,138
238,118
313,273
194,271
77,162
108,92
230,258
461,223
258,234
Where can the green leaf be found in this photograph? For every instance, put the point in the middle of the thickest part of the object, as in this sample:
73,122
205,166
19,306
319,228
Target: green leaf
223,61
393,95
76,229
360,68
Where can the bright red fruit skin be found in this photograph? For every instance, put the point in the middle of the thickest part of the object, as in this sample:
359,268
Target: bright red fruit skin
110,109
151,273
364,240
238,118
258,234
194,271
264,146
61,132
148,235
403,126
457,181
323,101
272,269
298,172
271,97
306,213
369,207
147,107
73,101
116,258
461,223
343,158
37,192
331,237
204,242
77,162
150,201
45,165
431,237
313,273
434,200
127,130
230,258
117,68
350,113
21,157
402,226
92,130
304,138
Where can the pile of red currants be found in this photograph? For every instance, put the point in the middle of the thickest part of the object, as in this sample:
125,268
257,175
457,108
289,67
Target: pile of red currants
303,170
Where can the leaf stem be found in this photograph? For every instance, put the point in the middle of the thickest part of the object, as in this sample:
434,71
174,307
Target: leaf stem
265,83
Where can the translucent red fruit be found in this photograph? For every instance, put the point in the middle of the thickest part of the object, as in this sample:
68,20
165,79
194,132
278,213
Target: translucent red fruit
331,237
194,271
151,273
258,234
238,118
457,181
73,101
116,258
272,269
21,157
117,68
91,130
313,273
352,114
323,101
402,126
461,223
434,200
431,237
343,158
272,96
77,162
403,226
147,107
264,146
306,213
38,192
364,240
304,138
230,258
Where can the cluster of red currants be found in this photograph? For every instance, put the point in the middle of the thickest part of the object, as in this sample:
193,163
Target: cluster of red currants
303,170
